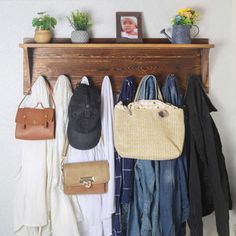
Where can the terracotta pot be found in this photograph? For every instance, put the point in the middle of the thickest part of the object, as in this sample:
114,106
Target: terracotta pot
42,36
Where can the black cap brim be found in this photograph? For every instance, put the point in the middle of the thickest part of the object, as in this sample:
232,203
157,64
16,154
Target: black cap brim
83,141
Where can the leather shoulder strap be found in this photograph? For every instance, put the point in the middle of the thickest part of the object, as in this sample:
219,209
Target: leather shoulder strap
49,90
64,152
65,148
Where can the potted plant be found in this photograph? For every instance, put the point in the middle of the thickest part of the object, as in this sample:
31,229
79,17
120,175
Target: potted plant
80,21
181,26
44,24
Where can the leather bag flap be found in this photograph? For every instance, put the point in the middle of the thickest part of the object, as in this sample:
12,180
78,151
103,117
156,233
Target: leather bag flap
34,116
75,173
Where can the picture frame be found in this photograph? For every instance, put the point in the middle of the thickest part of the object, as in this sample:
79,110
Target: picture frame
129,27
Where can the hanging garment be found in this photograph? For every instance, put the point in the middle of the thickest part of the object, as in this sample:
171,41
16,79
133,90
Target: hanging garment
173,178
65,211
97,209
124,169
31,215
144,213
160,206
41,207
208,180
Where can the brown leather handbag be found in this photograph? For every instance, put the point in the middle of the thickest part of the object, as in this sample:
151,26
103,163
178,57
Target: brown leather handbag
35,123
85,177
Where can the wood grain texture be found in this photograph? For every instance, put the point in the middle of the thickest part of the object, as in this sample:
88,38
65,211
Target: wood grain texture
205,67
26,70
116,62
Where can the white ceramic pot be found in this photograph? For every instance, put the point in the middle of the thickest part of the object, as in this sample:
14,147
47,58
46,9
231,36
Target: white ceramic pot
79,36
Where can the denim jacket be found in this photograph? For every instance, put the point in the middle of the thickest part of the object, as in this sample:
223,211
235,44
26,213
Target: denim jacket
144,211
160,205
174,203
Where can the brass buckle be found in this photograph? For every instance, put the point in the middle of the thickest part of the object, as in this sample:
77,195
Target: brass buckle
87,181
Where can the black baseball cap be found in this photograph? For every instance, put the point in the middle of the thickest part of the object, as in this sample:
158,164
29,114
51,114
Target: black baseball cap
84,127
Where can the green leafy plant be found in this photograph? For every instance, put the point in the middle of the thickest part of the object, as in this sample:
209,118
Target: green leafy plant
44,22
79,20
186,16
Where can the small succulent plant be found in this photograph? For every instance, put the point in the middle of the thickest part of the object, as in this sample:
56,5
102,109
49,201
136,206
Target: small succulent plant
79,20
44,21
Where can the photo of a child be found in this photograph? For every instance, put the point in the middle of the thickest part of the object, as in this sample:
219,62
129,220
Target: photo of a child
129,26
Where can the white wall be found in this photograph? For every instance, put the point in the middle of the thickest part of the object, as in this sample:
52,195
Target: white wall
15,24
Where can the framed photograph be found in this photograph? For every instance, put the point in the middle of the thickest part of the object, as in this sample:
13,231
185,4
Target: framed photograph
129,27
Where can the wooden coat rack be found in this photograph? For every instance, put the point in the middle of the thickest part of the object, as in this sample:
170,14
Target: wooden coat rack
103,57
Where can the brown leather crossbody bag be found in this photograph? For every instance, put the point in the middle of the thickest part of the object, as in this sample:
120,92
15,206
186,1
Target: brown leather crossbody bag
35,123
84,177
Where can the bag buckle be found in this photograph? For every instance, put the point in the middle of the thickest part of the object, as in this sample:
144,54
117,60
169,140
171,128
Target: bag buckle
87,181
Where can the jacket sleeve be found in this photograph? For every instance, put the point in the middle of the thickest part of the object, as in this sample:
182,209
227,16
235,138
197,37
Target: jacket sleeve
107,106
195,217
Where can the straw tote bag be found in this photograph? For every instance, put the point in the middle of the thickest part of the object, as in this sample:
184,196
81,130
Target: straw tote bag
149,129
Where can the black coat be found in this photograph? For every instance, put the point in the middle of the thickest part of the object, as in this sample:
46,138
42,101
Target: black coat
208,180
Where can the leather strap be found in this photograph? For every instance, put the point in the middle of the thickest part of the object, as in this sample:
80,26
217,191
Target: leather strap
64,152
65,148
39,103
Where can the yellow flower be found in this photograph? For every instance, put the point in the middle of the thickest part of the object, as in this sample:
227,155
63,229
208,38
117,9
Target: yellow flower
180,11
183,10
187,14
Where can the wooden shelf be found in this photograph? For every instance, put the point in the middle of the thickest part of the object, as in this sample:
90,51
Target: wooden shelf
110,43
102,57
